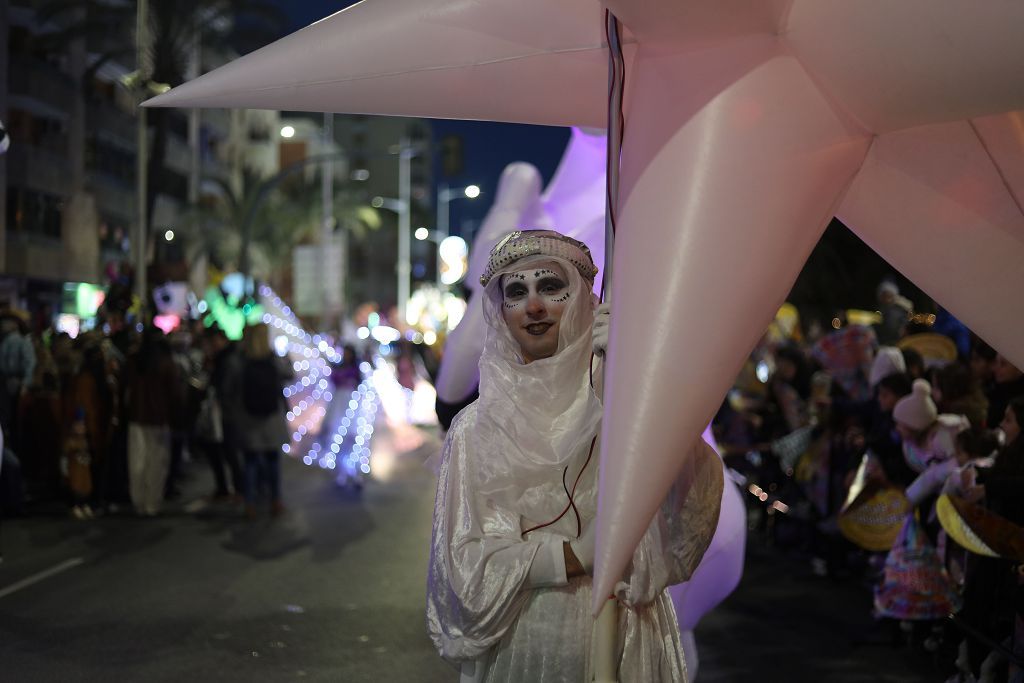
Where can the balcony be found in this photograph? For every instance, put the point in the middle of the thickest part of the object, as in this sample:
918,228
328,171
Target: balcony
35,256
42,82
38,169
112,122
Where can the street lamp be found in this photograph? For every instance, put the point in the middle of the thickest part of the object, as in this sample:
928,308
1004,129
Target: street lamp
403,268
445,195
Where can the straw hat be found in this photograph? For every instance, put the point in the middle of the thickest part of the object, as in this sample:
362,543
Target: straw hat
980,531
933,347
873,513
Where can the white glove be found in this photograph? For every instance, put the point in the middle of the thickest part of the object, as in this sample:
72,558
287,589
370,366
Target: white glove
599,336
583,547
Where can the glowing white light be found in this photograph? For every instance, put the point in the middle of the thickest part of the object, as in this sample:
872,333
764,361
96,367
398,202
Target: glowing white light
169,235
385,334
472,191
287,132
421,234
429,338
454,253
281,345
763,371
363,332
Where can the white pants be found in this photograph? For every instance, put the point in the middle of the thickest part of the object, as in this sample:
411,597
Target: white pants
149,456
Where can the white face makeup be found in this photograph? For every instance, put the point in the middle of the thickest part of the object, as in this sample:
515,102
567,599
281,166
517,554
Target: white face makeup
533,300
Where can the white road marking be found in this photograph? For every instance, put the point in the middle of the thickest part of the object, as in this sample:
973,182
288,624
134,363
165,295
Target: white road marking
41,576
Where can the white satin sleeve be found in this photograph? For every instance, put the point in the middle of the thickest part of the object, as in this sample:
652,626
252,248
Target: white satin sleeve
680,533
480,568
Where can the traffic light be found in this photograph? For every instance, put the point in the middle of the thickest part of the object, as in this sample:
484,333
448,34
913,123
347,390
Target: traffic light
451,155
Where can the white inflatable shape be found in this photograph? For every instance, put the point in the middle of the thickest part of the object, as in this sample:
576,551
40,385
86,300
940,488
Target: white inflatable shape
749,124
574,200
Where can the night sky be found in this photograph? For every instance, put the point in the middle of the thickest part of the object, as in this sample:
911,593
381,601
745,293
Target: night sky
487,147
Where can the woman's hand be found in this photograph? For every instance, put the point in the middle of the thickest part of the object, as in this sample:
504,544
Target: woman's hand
599,336
582,549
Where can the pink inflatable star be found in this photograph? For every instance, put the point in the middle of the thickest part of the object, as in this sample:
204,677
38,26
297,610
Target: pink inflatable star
749,124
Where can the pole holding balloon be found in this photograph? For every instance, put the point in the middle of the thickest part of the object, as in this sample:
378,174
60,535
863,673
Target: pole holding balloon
606,627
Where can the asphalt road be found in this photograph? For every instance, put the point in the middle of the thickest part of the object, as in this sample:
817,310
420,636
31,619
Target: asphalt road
334,591
331,591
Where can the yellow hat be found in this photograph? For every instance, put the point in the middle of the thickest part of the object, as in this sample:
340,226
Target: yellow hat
980,531
931,346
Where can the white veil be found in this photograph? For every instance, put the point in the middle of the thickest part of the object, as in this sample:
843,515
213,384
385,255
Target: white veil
534,420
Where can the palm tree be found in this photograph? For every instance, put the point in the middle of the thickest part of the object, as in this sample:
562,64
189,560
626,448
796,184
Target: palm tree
279,216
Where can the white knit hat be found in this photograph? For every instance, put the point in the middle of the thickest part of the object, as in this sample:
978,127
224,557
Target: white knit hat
888,361
917,410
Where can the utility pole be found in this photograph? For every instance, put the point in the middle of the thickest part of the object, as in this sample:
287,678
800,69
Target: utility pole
141,156
403,267
443,213
327,297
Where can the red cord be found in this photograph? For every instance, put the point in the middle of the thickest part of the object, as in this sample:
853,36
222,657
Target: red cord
620,74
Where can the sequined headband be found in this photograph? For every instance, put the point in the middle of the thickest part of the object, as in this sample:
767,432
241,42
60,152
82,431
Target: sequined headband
523,243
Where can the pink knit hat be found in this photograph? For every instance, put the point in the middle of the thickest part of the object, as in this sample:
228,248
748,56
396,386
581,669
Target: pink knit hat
917,409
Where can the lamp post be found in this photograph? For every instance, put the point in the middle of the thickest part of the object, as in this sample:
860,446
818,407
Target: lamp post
445,195
403,268
141,155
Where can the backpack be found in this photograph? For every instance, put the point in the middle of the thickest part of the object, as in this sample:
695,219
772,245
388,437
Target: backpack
261,388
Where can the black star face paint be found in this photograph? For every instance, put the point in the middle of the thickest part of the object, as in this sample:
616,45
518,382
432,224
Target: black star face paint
533,302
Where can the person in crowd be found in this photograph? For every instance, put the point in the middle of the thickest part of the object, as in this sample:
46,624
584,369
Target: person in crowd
914,362
847,353
17,364
39,424
78,466
1007,384
895,311
981,360
916,588
791,386
929,440
509,588
223,362
151,396
347,375
955,392
991,585
883,438
184,415
262,426
948,325
93,392
208,429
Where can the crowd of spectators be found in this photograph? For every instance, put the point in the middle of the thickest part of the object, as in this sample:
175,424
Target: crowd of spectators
103,423
847,433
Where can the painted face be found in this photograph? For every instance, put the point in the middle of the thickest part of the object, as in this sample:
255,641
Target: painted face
1009,425
533,300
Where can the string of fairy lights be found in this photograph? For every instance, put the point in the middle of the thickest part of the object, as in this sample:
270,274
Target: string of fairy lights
310,397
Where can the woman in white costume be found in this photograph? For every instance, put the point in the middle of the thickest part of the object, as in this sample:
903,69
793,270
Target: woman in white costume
509,586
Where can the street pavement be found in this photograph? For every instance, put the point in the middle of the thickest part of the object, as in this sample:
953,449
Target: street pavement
331,591
334,591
